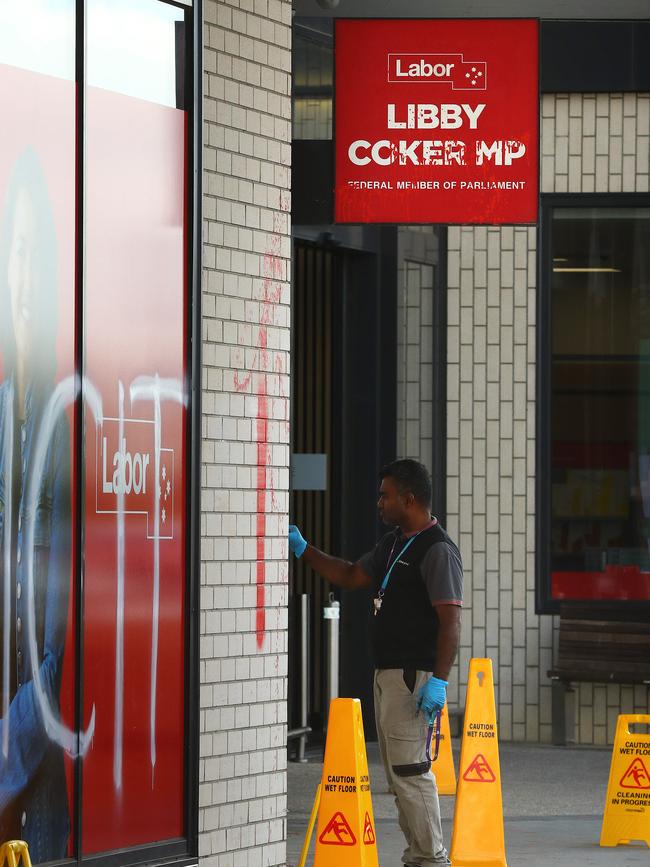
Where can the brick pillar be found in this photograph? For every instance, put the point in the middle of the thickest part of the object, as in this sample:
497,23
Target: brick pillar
245,388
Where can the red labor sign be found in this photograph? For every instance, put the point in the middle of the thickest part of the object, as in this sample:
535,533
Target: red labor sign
437,121
368,831
636,776
479,771
337,832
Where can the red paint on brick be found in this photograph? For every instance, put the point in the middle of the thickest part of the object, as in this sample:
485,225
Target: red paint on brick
273,271
262,484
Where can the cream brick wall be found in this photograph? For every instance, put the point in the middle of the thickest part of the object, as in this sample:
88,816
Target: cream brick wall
245,387
417,255
491,467
590,143
595,143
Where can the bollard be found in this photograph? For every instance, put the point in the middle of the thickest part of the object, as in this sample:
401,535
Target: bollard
331,615
304,674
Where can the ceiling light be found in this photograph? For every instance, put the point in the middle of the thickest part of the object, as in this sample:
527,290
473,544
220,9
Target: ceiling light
587,270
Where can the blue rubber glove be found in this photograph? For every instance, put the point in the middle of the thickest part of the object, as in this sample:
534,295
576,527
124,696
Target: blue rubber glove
297,544
432,697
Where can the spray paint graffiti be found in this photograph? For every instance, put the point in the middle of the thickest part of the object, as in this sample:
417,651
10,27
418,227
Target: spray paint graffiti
158,391
267,362
74,743
143,388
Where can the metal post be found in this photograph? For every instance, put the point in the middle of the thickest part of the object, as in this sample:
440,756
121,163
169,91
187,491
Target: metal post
331,615
304,673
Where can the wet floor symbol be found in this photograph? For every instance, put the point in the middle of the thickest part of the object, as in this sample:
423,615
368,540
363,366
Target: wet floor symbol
479,771
337,832
636,776
368,832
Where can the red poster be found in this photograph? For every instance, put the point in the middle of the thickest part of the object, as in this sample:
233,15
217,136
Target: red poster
37,436
134,543
436,121
133,552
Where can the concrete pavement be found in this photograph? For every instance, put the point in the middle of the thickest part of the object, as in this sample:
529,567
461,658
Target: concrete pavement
553,801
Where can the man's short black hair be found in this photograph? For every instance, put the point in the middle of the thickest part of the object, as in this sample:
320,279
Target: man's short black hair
411,477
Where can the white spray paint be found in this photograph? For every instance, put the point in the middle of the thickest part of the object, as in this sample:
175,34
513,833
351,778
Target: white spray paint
157,390
75,744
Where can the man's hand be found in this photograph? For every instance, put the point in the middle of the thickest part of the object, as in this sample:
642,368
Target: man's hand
297,544
432,697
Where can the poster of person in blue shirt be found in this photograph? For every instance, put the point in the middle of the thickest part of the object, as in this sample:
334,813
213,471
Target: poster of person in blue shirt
35,520
37,269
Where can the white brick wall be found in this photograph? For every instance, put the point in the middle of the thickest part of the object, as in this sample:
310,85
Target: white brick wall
245,387
595,143
417,255
491,467
590,143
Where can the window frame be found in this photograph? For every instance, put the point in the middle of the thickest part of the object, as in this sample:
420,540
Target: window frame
439,359
184,850
544,602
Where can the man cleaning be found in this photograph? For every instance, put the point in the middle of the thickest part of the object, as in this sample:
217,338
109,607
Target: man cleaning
417,575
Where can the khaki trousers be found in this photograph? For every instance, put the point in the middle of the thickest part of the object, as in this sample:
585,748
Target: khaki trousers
402,734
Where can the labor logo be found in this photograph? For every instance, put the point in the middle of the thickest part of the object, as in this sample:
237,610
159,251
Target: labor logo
337,832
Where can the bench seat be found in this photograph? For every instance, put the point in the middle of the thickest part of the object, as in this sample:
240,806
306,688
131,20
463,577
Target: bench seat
597,646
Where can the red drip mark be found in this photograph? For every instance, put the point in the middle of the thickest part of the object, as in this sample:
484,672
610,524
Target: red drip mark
271,293
262,479
262,430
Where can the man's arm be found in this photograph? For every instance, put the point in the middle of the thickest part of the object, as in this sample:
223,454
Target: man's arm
350,576
433,694
448,639
443,577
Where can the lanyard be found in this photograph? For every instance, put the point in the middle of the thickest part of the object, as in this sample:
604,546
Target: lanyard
377,601
384,583
436,724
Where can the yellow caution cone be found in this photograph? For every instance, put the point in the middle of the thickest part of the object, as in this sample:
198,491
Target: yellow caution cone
627,808
13,852
345,834
477,838
443,766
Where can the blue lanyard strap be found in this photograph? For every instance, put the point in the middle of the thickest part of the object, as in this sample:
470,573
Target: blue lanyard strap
384,583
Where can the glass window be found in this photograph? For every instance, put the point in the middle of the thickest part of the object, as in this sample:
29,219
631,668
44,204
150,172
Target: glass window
38,694
134,542
132,48
39,35
313,71
110,540
600,404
